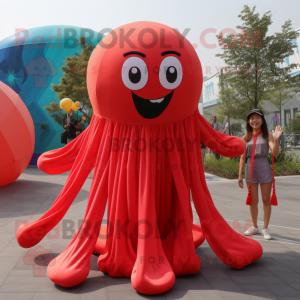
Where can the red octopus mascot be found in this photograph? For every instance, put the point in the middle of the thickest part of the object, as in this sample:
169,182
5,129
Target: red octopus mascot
144,81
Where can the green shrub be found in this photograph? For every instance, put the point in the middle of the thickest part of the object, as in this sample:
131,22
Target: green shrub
294,125
288,163
280,158
284,164
224,167
284,157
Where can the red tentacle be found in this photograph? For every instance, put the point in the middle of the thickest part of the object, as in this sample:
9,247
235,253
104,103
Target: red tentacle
163,187
179,245
186,143
72,266
152,273
119,256
30,234
133,186
61,160
232,248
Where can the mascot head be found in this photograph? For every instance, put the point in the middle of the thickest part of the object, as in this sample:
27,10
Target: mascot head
144,73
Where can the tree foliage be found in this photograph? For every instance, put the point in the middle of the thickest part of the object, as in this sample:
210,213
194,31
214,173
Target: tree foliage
73,83
226,107
42,125
253,59
294,125
279,95
59,115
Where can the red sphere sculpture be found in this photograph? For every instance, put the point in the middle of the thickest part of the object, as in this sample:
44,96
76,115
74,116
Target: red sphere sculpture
16,135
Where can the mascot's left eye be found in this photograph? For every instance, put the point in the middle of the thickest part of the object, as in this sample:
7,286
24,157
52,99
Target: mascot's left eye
134,73
170,72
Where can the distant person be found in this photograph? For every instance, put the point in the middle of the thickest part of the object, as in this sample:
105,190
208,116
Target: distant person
226,129
218,127
78,129
84,111
203,149
258,170
71,127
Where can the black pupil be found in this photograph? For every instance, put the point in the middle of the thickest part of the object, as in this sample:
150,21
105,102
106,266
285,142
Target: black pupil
134,74
171,74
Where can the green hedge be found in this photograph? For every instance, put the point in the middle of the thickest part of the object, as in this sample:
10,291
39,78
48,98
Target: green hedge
285,164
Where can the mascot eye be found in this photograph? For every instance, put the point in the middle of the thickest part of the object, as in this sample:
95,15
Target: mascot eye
170,73
134,73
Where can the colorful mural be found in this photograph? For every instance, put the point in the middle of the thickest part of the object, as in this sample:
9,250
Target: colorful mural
30,61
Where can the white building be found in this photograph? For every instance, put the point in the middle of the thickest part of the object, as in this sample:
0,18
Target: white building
210,96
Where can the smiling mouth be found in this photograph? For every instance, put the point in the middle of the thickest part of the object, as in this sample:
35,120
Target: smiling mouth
151,108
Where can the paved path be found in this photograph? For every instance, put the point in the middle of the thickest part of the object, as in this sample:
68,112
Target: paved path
275,276
211,177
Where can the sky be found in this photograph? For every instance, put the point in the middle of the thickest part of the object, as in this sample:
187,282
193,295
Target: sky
99,14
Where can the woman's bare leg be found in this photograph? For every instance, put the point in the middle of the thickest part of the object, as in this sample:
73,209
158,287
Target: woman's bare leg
266,198
254,208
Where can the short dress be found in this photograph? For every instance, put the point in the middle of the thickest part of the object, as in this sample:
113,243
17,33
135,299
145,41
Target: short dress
262,172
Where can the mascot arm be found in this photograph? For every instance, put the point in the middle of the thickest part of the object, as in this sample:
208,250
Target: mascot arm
229,146
61,160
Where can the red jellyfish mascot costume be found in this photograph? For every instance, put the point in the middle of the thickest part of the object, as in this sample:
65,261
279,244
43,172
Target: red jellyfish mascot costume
144,81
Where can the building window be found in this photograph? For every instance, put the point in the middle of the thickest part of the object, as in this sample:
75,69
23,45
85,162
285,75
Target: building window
296,112
287,117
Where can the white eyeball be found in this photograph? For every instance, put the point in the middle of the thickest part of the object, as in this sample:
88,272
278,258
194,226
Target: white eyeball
134,73
170,72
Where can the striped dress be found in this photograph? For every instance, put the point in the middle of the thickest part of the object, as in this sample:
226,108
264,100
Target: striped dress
262,172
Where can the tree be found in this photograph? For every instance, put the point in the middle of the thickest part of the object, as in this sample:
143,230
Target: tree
236,128
283,82
294,125
56,113
253,58
278,95
229,106
207,115
294,128
42,125
226,106
73,83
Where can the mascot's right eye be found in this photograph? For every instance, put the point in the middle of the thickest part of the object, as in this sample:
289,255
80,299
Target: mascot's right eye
134,73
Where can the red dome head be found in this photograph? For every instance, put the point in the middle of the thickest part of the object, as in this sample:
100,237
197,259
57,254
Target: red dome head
144,72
